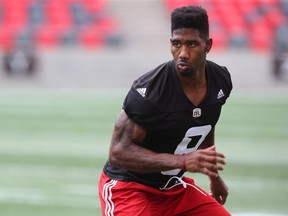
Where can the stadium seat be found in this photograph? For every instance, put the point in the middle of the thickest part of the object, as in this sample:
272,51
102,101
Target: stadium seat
7,36
57,14
93,6
46,36
218,33
275,17
90,37
14,14
55,22
107,26
246,6
261,37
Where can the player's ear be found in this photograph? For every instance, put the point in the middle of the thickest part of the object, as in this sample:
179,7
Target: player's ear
209,44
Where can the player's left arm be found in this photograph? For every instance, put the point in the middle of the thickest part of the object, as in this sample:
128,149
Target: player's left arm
219,189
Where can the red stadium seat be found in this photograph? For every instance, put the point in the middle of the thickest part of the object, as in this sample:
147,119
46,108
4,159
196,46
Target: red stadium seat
261,37
172,4
46,36
91,37
6,37
58,14
246,6
218,34
51,21
275,17
14,14
107,26
94,5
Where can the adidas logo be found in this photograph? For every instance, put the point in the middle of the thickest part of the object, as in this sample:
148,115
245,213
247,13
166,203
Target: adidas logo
141,91
220,94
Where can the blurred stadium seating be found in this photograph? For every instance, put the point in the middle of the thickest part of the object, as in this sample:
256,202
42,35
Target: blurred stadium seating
56,22
239,28
241,23
234,23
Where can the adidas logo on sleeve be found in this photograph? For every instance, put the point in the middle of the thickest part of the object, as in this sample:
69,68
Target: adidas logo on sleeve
141,91
220,94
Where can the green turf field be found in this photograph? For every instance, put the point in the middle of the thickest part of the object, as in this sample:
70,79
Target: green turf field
53,146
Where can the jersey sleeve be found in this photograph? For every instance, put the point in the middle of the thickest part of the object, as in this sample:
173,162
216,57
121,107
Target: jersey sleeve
140,109
228,81
143,101
220,82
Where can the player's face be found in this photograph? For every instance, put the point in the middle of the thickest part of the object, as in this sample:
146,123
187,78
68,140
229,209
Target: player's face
188,50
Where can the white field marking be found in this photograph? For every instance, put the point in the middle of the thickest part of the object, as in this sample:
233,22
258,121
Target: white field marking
10,193
233,141
82,189
245,128
236,151
247,184
33,170
17,171
244,184
256,159
100,150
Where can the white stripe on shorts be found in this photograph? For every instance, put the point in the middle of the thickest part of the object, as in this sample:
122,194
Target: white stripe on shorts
107,197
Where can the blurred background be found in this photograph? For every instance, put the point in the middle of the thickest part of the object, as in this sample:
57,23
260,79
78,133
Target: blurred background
66,65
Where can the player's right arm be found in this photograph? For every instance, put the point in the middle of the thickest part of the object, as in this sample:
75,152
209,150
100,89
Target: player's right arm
126,152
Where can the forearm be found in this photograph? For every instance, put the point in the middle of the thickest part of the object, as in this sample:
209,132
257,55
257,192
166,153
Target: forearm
219,189
214,178
138,159
126,152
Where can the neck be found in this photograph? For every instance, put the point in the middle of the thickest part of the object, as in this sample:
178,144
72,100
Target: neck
194,86
194,81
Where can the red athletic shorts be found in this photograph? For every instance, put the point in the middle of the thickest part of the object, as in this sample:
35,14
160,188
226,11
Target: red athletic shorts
120,198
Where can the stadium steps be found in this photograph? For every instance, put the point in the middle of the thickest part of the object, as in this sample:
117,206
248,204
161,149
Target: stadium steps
135,19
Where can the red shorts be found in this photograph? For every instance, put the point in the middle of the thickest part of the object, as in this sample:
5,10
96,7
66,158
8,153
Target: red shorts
120,198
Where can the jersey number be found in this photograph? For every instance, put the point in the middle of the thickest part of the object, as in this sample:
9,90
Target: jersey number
191,142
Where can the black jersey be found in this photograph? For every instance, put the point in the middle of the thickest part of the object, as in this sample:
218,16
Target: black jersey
157,103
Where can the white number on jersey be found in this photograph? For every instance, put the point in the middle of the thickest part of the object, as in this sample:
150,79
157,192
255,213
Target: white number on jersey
191,142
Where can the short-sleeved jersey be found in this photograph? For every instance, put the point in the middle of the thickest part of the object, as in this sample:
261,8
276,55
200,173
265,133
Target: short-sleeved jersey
157,103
